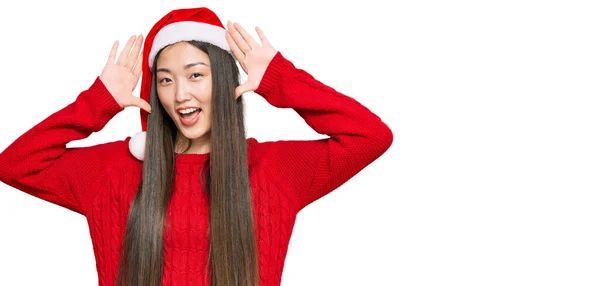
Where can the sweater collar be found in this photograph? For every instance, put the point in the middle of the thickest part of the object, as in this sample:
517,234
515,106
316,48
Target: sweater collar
191,158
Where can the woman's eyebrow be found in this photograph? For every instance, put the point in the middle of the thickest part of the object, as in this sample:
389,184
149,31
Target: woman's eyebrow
194,64
184,67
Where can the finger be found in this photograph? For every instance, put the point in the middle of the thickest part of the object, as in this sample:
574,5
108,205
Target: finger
234,48
263,39
125,52
141,104
244,67
134,53
247,37
113,53
239,40
137,72
243,88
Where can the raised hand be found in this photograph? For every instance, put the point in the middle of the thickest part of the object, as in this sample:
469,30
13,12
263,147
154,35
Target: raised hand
121,78
253,58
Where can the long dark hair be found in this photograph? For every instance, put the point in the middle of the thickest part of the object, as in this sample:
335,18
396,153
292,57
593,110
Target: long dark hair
233,249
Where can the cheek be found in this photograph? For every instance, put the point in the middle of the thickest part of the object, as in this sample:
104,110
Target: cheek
167,103
163,101
203,90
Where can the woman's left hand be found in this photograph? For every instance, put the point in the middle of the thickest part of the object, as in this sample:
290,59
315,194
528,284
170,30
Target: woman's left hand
253,58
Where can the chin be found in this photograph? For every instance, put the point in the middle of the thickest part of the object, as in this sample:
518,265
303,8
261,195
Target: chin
189,134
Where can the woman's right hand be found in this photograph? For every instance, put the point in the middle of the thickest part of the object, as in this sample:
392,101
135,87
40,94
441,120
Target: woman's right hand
121,78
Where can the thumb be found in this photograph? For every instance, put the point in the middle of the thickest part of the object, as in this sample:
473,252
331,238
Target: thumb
142,104
243,88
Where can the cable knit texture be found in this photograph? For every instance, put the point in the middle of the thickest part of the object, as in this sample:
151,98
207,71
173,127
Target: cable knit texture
100,181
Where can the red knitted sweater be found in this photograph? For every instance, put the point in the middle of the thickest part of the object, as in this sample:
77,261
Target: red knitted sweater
100,181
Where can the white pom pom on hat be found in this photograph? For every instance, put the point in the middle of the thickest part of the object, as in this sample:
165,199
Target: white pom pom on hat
200,24
137,144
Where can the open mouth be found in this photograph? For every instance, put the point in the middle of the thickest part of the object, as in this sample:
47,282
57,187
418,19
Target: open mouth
189,114
189,117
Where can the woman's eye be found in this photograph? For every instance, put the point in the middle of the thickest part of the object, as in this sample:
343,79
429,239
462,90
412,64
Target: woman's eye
195,75
162,80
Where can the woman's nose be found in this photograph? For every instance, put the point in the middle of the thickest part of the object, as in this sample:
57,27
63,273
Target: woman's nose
181,94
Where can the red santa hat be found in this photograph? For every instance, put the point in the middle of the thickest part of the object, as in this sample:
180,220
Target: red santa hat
186,24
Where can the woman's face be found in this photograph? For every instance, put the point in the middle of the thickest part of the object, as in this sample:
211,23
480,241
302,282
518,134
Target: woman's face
184,84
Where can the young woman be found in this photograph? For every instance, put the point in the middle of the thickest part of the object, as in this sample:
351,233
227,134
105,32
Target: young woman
190,200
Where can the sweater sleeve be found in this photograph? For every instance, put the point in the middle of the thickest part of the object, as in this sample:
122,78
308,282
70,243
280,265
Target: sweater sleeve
39,163
313,168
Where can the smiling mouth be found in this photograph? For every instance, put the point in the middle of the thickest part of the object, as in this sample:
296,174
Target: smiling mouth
190,114
191,118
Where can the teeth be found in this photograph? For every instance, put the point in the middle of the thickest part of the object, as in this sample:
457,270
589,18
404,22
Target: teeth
189,110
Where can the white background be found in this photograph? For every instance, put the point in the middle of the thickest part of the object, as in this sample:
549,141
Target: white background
492,179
